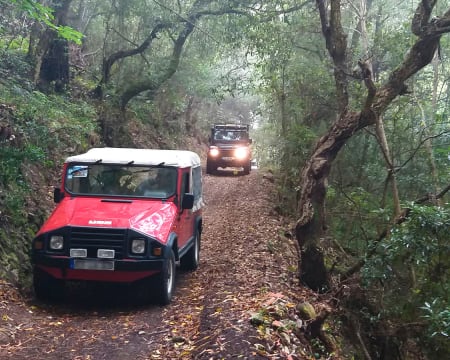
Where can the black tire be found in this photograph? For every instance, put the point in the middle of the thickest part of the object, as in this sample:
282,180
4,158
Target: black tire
46,287
210,167
247,168
165,283
191,259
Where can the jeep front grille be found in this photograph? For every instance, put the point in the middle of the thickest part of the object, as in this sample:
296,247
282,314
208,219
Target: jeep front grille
227,152
93,239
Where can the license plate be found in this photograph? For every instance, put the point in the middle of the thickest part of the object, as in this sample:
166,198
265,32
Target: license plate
227,158
91,264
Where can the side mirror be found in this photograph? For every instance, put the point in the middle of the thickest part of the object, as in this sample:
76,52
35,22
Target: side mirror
188,201
57,195
250,141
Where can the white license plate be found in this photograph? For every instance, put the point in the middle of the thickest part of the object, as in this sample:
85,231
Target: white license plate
92,264
228,158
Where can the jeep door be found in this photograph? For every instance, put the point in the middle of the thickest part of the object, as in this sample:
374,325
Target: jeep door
186,218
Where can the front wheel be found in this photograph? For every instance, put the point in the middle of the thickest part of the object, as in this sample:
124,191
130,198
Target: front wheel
46,287
166,280
191,260
210,167
247,168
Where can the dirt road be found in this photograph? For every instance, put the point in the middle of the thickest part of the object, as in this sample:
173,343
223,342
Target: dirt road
209,315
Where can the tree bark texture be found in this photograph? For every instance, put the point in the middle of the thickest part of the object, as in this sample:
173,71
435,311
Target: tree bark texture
315,173
51,56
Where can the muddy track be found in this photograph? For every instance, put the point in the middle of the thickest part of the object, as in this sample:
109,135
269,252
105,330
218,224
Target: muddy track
209,315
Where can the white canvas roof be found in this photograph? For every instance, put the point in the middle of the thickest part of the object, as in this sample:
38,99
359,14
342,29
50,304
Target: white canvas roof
152,157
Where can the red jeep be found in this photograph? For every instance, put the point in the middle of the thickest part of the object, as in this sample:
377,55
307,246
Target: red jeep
123,215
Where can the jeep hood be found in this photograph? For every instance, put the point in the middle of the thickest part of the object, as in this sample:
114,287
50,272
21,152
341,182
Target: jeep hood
150,217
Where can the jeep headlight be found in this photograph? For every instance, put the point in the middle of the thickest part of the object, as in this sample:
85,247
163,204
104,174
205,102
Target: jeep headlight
56,242
214,151
241,153
138,246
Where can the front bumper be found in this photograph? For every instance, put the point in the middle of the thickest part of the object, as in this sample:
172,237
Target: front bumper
125,270
228,161
124,266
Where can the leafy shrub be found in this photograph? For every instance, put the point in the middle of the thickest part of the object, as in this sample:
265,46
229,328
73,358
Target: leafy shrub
413,267
291,153
15,67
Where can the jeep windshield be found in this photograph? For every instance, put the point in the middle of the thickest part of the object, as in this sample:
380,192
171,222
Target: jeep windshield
230,135
121,180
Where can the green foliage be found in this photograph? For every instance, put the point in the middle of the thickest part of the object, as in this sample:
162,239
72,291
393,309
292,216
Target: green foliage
14,191
438,314
12,158
414,268
35,10
288,154
39,118
16,69
354,217
44,128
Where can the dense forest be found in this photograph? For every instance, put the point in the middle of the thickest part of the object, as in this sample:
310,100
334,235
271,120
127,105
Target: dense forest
348,103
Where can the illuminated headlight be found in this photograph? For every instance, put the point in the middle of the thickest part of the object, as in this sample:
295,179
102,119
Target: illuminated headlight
214,151
138,246
241,153
56,242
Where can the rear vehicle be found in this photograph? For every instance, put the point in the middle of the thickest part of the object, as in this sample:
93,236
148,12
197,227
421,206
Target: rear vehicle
124,216
229,146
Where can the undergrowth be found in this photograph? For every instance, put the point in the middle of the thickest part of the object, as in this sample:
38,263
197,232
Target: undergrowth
37,132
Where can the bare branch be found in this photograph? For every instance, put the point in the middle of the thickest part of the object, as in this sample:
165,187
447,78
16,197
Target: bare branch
418,148
336,42
367,77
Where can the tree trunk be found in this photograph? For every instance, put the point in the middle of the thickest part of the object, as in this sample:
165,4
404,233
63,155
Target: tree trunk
51,55
429,127
314,177
316,170
392,177
282,100
381,134
55,65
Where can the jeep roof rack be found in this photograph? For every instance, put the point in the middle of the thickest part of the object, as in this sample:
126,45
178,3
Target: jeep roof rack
245,127
152,157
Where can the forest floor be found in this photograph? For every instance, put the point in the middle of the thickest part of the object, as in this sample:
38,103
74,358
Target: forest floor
240,303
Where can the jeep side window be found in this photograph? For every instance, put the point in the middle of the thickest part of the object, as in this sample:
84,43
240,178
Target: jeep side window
184,186
197,182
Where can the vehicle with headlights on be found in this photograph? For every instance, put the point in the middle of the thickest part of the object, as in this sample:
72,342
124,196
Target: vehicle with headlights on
229,146
123,216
